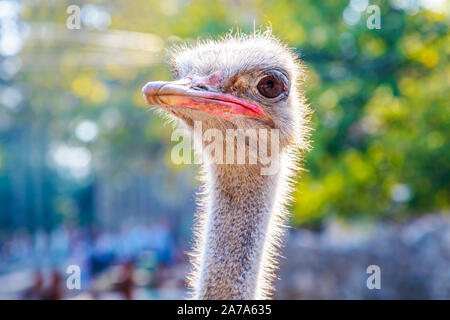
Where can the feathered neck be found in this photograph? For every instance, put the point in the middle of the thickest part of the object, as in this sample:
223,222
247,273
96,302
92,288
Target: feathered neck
239,228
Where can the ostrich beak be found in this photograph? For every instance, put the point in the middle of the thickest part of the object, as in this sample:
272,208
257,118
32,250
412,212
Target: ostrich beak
183,93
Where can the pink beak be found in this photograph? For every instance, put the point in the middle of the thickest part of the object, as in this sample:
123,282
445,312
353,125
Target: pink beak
181,93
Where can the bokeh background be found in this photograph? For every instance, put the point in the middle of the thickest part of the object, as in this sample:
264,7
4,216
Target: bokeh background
85,170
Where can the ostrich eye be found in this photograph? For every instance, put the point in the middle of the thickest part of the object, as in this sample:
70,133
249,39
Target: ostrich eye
270,86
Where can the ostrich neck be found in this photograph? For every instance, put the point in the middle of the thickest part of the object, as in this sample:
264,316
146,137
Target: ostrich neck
236,232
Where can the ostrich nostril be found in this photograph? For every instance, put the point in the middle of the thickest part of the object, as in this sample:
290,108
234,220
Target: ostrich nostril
200,87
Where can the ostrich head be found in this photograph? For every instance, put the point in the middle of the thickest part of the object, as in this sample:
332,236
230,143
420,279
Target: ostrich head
237,82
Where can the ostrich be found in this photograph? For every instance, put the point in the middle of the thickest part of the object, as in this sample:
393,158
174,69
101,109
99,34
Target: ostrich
238,82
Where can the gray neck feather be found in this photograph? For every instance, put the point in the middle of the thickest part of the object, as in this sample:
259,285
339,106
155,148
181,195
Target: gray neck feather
237,233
